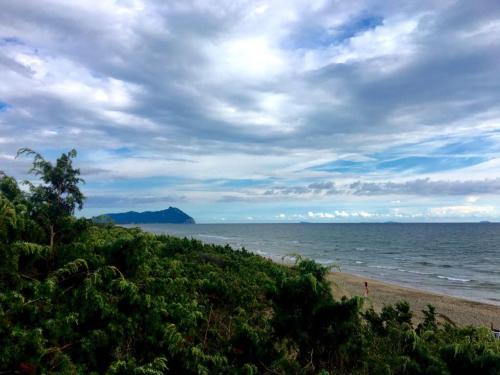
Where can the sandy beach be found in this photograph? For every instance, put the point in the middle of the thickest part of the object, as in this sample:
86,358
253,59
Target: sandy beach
460,311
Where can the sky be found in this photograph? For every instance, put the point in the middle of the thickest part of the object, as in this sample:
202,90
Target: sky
260,111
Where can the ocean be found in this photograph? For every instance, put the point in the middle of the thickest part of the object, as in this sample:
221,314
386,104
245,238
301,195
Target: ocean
459,259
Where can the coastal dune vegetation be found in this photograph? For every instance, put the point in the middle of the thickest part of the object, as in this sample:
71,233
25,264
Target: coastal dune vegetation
78,297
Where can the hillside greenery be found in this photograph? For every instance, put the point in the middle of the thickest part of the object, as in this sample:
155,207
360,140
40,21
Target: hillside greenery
171,215
83,298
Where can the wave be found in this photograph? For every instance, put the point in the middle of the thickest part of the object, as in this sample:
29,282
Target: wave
415,272
385,267
359,262
453,278
214,236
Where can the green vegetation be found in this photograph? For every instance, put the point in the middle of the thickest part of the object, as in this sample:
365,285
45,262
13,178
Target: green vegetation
82,298
171,215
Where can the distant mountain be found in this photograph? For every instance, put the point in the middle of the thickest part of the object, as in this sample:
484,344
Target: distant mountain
171,215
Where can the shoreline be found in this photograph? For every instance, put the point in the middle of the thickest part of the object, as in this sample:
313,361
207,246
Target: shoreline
461,311
445,296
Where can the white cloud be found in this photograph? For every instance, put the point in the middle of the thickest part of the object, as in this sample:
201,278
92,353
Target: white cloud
48,133
261,9
7,156
320,215
471,199
462,211
260,91
391,39
247,58
340,214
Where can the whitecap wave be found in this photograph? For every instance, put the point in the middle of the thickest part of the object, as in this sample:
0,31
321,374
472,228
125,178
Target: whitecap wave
324,261
214,237
384,267
415,272
454,278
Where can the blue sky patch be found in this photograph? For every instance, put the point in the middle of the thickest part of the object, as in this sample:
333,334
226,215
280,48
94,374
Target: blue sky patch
470,146
422,164
3,107
346,166
430,164
358,26
123,151
242,183
312,36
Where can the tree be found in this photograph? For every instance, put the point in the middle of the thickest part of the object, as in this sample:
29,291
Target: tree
8,218
54,201
9,188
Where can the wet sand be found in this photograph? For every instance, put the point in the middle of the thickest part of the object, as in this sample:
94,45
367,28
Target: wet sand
460,311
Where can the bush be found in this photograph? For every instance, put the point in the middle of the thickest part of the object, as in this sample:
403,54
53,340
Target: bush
109,300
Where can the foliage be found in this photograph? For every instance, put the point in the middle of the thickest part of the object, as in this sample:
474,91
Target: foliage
57,198
111,300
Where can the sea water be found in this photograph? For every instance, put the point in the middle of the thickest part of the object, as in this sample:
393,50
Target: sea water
459,259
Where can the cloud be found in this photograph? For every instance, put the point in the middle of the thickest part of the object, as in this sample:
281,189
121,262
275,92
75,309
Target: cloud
235,199
301,93
419,187
462,211
471,199
427,187
340,214
326,187
127,72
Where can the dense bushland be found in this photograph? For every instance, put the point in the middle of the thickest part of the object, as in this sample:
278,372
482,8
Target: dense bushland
81,298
